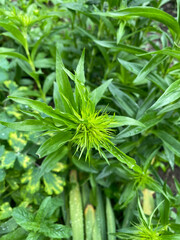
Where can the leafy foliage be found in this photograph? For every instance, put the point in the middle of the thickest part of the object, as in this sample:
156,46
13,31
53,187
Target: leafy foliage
82,82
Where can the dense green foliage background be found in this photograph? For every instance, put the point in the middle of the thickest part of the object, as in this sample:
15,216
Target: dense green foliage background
131,66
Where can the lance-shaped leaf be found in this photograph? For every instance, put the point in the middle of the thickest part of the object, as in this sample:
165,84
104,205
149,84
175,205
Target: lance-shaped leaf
171,94
54,143
17,234
58,101
12,54
118,121
80,90
80,68
123,100
120,47
136,68
37,44
42,107
166,51
29,125
63,83
155,60
169,141
122,157
178,11
16,34
149,119
148,12
98,93
51,160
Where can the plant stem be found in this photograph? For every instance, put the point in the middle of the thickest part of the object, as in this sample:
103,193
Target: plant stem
31,63
94,51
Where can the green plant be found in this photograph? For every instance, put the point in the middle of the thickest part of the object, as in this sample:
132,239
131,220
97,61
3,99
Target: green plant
121,106
145,229
41,224
75,120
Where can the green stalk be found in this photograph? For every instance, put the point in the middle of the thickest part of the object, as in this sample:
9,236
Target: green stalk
89,221
76,210
111,225
94,51
100,214
96,230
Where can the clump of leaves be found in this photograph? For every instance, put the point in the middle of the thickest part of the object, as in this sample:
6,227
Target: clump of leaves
75,118
146,230
42,223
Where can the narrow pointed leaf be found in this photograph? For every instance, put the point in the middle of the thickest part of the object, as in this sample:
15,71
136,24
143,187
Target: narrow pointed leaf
120,47
54,143
58,101
63,82
178,11
29,125
15,32
118,121
42,107
98,93
166,51
80,68
171,94
51,160
147,12
155,60
122,157
169,141
136,68
120,31
15,55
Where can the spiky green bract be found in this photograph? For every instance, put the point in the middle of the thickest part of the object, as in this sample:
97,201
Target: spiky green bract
92,132
145,230
148,233
142,232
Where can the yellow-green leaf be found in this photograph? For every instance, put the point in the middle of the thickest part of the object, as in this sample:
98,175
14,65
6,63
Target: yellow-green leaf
7,159
53,183
24,160
5,211
17,141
